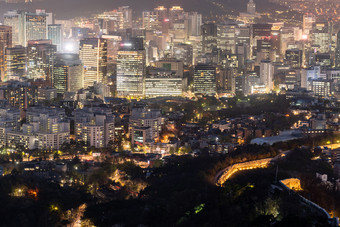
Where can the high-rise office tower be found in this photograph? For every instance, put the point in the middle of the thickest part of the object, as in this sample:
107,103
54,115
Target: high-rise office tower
183,52
163,17
162,13
5,42
127,16
287,38
35,26
110,21
321,36
251,7
68,73
209,37
151,20
55,33
27,25
14,19
267,74
261,35
131,68
16,61
194,23
294,58
337,51
243,35
226,37
40,58
243,38
308,21
93,54
163,82
115,20
176,13
158,19
6,35
205,79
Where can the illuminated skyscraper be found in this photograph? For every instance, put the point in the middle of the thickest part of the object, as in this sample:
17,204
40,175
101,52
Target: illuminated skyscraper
14,19
337,51
176,13
5,42
55,33
131,68
40,58
158,19
322,87
6,35
27,25
205,79
163,82
162,13
267,74
35,26
151,20
68,73
308,21
93,54
110,21
194,21
16,61
261,41
251,7
226,37
115,20
321,36
127,16
163,17
294,58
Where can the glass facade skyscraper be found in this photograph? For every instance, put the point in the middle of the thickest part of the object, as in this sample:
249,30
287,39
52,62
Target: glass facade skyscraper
93,54
131,69
55,33
205,79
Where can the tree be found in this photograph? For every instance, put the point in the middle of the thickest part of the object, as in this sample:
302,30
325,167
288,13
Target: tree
172,150
184,150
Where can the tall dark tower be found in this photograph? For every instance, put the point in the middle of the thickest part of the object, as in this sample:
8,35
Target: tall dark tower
337,51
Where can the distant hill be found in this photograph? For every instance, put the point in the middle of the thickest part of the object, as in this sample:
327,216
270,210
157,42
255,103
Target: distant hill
65,9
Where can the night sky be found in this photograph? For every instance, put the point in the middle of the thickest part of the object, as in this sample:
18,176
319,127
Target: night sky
67,9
